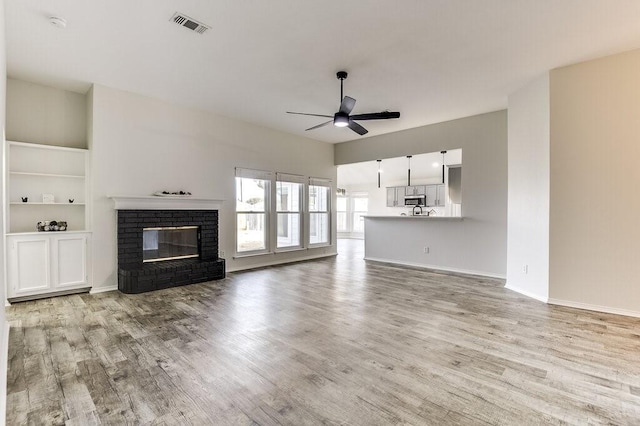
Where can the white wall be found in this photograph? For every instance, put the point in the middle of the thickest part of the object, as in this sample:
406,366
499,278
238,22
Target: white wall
595,154
528,213
141,145
479,243
45,115
4,327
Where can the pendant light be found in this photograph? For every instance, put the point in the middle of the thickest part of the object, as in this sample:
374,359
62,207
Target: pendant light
379,171
443,153
409,170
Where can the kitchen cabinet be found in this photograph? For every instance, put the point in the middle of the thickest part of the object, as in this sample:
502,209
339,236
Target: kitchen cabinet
435,195
414,190
395,196
440,196
40,264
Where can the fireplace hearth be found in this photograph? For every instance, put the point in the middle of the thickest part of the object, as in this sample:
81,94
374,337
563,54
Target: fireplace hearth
167,248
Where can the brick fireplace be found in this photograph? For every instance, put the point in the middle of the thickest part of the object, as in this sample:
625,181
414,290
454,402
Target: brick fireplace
136,276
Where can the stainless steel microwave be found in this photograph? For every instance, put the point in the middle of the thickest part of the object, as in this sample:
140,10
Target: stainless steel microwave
416,200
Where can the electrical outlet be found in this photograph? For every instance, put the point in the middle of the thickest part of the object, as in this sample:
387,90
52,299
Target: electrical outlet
221,253
525,269
425,250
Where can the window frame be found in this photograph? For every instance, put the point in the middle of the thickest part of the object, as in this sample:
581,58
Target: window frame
328,212
300,180
268,179
271,211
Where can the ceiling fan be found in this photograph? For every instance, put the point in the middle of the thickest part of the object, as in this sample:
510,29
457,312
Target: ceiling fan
342,118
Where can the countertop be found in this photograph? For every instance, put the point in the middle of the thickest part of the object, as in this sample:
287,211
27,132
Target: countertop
416,217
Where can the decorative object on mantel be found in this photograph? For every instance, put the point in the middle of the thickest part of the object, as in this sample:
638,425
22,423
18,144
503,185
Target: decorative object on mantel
51,226
341,191
48,199
71,200
172,194
25,199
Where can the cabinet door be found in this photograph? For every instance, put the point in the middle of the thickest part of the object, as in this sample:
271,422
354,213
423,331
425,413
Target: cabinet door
400,191
28,265
440,197
391,197
431,193
69,268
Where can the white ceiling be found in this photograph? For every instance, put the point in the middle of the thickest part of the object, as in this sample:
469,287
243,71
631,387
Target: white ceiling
432,60
394,170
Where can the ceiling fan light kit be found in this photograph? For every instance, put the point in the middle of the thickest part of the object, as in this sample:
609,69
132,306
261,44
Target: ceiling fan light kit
342,118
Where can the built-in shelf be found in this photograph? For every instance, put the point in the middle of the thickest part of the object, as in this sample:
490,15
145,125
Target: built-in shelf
50,175
34,171
78,231
47,263
18,203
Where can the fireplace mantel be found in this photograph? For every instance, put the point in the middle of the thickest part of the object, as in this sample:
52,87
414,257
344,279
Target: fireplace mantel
151,202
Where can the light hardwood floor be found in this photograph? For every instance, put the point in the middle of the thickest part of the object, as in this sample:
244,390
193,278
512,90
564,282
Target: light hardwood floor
335,341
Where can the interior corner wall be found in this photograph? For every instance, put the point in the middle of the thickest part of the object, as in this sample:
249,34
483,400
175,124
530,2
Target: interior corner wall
478,244
4,326
45,115
528,199
594,225
141,145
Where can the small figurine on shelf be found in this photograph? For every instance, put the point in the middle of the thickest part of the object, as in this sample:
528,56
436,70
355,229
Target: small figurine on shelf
71,200
25,199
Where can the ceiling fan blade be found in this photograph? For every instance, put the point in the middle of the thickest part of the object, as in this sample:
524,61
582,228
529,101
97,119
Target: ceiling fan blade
376,115
347,104
357,128
313,115
319,125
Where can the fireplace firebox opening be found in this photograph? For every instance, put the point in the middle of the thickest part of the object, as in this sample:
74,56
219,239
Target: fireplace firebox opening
170,243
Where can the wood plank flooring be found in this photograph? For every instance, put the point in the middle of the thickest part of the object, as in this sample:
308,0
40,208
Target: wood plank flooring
335,341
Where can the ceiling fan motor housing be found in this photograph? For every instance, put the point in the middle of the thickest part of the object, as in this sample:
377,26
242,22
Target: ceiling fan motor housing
341,119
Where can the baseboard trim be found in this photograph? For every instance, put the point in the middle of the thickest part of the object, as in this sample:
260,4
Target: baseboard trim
527,293
4,360
48,295
281,262
596,308
437,268
95,290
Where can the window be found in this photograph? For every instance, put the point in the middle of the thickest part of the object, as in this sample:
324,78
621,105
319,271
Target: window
319,211
341,215
350,212
360,208
289,211
273,214
252,211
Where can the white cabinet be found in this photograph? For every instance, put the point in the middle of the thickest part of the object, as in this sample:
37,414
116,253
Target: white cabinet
45,183
440,196
395,196
47,263
435,195
414,190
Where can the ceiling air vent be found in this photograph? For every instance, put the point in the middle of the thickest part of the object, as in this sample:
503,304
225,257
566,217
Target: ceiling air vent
192,24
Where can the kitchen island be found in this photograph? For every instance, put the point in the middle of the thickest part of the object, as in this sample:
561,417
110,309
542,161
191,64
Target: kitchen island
434,242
